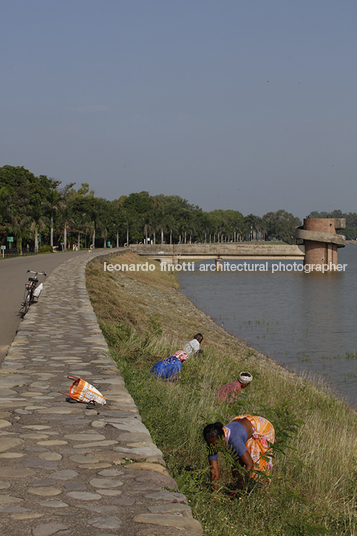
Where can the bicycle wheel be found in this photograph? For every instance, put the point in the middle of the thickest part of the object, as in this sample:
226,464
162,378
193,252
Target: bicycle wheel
26,303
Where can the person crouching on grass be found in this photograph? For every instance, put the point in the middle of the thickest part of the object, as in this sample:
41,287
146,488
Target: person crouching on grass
169,368
232,390
194,347
248,439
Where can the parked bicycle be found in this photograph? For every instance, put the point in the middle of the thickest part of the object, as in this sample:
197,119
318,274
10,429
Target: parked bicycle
32,291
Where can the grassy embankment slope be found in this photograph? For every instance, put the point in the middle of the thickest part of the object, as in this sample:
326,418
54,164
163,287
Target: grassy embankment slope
313,487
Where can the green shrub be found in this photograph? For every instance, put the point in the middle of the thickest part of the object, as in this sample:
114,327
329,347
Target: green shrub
45,249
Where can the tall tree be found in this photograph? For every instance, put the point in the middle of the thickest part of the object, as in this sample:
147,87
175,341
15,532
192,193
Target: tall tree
36,214
281,225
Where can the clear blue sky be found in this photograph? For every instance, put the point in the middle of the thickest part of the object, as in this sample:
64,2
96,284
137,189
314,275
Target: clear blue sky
233,104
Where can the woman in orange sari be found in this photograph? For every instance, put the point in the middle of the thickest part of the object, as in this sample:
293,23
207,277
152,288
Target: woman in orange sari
249,439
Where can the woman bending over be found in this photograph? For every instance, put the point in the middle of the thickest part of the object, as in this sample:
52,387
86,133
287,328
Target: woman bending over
249,438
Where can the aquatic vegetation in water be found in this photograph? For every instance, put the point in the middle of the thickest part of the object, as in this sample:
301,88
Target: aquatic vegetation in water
339,357
304,358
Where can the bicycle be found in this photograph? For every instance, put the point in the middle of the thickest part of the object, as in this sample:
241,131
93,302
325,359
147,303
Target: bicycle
32,291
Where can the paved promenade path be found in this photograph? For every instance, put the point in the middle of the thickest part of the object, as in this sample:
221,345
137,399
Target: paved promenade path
12,287
65,467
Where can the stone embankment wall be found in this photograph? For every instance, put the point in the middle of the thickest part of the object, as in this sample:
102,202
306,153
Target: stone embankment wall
224,251
65,467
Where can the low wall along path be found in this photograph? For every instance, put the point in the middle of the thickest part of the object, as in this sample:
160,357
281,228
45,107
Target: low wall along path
66,468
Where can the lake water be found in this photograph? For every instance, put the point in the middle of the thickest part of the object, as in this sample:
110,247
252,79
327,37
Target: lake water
305,322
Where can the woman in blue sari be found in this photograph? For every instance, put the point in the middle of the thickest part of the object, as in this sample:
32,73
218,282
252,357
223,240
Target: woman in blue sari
169,368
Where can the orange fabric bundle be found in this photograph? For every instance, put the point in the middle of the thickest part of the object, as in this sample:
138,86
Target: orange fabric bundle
83,391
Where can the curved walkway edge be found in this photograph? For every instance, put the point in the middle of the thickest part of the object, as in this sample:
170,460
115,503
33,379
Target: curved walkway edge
67,468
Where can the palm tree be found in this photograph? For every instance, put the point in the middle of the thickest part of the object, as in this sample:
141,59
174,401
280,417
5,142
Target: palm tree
171,225
159,222
94,219
36,214
55,202
18,227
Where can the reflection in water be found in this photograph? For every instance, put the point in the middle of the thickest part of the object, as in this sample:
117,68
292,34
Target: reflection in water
303,321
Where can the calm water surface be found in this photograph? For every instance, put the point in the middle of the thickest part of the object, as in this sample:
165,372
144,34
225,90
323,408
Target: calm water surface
306,322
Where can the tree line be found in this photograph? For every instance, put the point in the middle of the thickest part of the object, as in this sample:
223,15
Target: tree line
39,213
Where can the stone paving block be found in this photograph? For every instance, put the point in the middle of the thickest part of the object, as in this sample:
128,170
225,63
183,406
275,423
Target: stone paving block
181,509
9,499
10,509
105,522
157,478
168,496
54,504
171,521
145,466
51,529
165,531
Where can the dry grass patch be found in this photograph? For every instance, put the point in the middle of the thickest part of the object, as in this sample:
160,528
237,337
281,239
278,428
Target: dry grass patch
142,300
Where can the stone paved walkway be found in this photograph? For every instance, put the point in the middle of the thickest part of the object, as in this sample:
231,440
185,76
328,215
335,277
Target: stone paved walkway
66,468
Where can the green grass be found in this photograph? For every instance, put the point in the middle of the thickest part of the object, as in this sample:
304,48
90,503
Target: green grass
313,484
